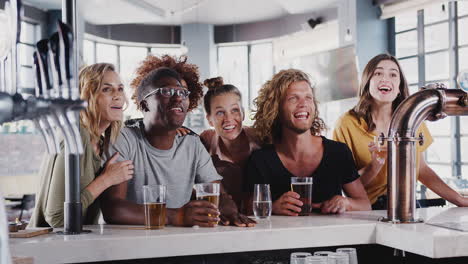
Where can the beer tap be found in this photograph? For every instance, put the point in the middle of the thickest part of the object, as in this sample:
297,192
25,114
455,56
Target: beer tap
55,65
57,116
70,90
41,122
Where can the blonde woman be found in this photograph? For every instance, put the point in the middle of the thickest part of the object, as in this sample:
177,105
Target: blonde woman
100,125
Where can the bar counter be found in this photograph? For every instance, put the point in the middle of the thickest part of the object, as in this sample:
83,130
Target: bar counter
112,242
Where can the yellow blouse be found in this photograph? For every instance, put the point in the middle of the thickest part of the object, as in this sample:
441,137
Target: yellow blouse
353,132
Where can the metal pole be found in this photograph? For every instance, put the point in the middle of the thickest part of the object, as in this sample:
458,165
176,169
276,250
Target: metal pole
72,205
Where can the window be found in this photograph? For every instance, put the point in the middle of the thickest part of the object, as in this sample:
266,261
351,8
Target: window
106,53
28,38
248,67
89,55
261,68
233,67
433,58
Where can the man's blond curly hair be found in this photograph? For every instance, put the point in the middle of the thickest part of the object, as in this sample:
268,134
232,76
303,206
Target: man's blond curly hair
267,116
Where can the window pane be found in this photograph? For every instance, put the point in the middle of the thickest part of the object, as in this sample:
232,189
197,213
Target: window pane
444,171
233,67
463,58
28,33
410,69
406,21
464,125
106,53
436,37
261,68
169,51
88,52
464,149
437,66
413,89
439,150
406,43
465,172
440,127
25,54
26,77
436,12
462,32
130,57
462,8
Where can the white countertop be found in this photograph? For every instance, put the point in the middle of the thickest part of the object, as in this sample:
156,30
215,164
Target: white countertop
110,242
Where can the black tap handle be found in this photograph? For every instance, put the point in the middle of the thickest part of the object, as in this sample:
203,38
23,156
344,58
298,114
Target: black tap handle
37,73
66,56
54,47
42,48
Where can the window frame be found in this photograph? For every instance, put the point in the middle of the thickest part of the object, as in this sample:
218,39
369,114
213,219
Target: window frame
453,48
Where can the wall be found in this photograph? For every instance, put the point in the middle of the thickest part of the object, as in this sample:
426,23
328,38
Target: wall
136,33
271,28
372,32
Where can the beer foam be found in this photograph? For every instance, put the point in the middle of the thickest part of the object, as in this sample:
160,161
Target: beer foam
199,195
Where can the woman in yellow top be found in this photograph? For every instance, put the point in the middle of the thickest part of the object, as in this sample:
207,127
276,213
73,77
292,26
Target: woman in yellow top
100,124
383,87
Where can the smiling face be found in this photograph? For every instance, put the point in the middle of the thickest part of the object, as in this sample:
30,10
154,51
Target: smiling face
168,112
111,98
297,107
226,115
384,86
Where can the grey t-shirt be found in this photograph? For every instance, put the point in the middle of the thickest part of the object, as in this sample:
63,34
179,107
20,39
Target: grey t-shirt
179,168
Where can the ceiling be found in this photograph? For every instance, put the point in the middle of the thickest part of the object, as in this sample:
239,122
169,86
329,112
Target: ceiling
175,12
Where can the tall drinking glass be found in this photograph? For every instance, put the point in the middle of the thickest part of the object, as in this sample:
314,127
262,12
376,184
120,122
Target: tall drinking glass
303,186
317,260
299,257
381,148
154,198
262,201
351,253
208,192
338,258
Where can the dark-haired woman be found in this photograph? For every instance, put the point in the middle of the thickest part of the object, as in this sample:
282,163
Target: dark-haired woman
382,89
229,143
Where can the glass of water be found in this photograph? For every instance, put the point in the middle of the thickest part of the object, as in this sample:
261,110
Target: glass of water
262,201
338,258
299,257
351,253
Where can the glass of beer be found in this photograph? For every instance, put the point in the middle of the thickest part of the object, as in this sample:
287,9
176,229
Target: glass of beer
303,187
381,148
154,197
208,192
262,201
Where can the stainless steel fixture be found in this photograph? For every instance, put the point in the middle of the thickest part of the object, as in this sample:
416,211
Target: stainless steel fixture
55,106
432,102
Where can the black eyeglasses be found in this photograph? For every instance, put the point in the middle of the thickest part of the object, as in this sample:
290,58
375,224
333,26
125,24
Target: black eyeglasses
169,92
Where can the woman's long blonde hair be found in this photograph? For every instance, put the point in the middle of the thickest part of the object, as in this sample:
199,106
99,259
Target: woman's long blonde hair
267,116
90,82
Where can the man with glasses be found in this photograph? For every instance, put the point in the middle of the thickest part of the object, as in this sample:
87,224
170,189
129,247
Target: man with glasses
161,156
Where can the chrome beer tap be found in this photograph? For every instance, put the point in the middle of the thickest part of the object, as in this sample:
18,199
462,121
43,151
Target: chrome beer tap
432,102
41,121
